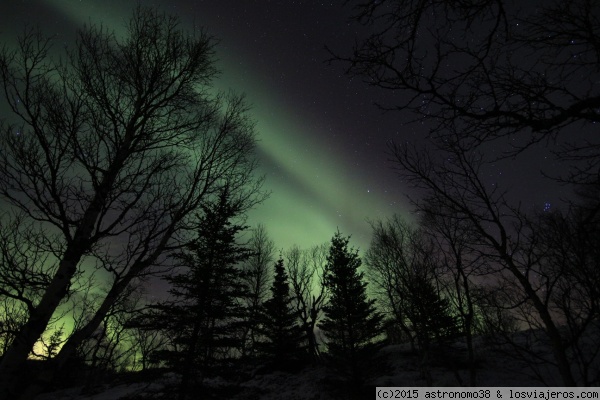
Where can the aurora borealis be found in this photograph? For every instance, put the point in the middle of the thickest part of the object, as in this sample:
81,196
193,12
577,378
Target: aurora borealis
322,141
321,145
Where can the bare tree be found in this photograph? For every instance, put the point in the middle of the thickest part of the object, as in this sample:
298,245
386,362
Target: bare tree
403,265
26,266
567,246
490,67
110,347
461,272
258,278
389,259
146,344
516,74
116,147
306,272
456,190
399,260
14,315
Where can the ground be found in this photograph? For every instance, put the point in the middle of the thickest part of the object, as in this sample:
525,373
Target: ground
400,367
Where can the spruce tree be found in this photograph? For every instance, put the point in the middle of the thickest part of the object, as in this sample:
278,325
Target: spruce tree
204,310
283,335
430,314
351,323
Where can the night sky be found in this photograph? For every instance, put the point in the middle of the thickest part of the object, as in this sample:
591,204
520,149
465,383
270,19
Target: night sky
322,142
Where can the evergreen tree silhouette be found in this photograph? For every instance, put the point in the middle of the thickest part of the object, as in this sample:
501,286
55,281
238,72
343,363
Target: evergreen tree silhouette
430,315
280,322
204,313
351,323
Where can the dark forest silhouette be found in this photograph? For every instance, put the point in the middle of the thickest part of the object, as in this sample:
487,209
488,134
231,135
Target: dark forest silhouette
119,158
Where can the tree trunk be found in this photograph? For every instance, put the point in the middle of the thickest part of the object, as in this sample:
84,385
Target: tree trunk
69,348
558,348
15,359
468,318
12,367
188,366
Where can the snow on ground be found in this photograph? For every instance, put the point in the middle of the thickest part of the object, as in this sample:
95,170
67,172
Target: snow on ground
140,390
495,368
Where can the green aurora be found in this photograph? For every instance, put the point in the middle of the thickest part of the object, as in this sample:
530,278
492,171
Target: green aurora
315,189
